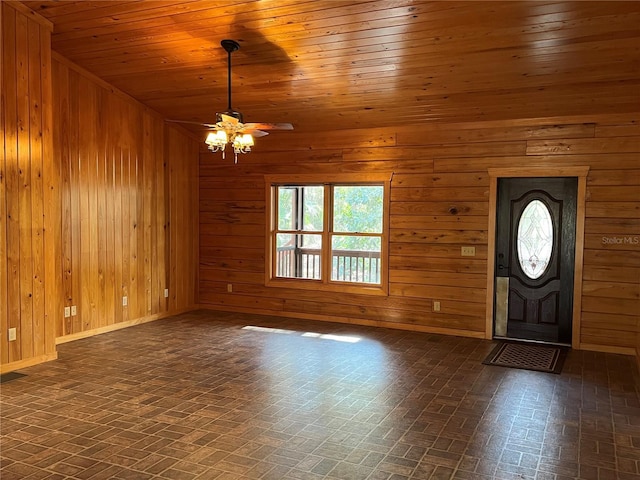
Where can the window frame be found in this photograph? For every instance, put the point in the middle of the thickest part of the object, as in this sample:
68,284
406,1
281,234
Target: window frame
272,182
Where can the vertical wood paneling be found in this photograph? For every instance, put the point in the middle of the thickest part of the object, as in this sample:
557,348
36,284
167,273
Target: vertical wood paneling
37,189
439,203
118,257
29,208
147,188
116,198
110,297
73,160
86,187
4,351
183,242
132,228
11,174
100,211
85,198
158,303
62,139
51,175
25,333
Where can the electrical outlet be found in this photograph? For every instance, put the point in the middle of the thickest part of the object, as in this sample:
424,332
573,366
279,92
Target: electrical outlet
67,312
124,301
74,310
229,287
166,293
13,334
436,306
468,251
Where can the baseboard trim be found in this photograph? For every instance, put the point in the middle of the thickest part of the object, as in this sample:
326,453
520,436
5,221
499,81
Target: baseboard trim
347,320
29,362
119,326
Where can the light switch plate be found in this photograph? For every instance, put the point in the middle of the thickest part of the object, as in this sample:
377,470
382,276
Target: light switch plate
468,251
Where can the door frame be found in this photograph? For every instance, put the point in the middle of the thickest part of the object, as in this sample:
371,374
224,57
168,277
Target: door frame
551,171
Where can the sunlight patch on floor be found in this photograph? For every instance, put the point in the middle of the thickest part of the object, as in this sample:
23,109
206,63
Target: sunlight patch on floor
324,336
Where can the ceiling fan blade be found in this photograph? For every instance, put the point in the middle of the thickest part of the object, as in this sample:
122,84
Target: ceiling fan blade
254,133
207,125
269,126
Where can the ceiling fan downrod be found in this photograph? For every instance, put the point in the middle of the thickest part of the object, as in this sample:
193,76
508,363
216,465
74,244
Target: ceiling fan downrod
230,46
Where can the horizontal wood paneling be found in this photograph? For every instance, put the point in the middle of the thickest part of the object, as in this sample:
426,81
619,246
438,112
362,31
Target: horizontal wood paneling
439,203
129,216
29,192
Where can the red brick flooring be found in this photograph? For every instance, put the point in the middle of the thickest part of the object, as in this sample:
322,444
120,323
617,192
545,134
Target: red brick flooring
198,396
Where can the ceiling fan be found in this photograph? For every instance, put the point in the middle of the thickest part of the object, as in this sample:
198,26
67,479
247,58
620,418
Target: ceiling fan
229,126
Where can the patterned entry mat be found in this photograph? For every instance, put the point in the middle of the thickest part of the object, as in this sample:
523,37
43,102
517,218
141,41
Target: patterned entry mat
527,356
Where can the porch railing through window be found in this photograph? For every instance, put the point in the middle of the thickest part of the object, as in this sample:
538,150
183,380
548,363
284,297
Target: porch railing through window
295,262
346,265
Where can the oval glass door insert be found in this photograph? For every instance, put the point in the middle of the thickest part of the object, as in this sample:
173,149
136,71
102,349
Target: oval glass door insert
535,239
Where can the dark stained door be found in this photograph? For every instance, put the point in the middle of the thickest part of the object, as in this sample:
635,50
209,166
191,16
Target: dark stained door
535,254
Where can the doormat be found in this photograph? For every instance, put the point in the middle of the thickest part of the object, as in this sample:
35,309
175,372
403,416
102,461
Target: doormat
7,377
527,356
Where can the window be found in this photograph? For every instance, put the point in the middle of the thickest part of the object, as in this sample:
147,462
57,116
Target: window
328,234
535,239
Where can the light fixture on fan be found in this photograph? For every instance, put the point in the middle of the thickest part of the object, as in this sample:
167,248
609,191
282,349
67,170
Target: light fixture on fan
229,133
229,128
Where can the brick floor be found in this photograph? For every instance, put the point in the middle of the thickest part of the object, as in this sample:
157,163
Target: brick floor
198,396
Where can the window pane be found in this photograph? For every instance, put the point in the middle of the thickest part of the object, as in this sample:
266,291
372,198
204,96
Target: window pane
535,239
286,208
355,259
312,208
298,256
300,208
357,209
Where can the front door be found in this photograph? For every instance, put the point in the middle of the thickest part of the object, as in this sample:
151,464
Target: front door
535,253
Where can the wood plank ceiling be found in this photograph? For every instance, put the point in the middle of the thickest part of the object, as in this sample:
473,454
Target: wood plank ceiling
325,65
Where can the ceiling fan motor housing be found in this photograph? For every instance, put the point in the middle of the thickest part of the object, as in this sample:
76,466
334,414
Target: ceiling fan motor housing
230,45
229,113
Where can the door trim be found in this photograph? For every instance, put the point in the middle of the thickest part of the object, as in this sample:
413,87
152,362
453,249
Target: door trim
515,172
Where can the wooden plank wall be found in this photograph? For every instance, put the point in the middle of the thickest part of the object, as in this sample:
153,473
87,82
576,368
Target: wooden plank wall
439,202
129,207
29,195
98,199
